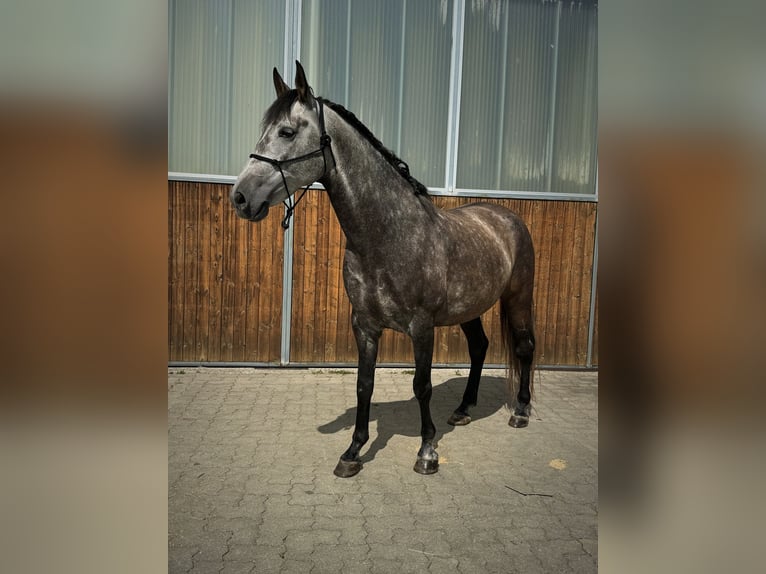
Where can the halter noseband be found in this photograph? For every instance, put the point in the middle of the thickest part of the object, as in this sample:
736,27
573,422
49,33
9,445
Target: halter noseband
324,142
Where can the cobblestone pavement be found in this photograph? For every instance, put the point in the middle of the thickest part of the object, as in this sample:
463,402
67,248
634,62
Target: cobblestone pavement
251,487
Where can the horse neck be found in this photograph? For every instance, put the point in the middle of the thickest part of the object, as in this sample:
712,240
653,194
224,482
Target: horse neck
374,204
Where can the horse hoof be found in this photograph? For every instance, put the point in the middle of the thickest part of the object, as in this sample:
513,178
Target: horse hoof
518,421
347,468
424,466
458,420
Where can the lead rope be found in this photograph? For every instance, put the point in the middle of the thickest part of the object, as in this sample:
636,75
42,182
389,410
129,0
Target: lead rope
290,207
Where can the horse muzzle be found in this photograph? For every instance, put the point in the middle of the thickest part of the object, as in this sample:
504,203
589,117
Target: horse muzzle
245,209
260,213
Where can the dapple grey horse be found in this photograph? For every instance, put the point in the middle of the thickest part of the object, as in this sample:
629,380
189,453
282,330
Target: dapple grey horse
408,265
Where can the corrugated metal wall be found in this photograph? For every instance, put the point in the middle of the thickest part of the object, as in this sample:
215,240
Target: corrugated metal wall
225,284
220,54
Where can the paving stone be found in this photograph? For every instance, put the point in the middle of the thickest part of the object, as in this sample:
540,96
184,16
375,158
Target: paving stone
251,489
207,566
292,566
439,564
275,528
351,530
179,559
238,568
328,559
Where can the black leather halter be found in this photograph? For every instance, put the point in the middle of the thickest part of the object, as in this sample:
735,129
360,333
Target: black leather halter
325,141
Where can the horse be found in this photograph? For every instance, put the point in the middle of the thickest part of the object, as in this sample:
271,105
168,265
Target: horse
408,265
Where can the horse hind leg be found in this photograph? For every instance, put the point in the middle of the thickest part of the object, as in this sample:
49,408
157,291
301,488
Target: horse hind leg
524,347
519,338
477,350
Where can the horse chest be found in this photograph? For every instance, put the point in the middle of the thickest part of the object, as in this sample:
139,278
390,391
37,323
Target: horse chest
390,294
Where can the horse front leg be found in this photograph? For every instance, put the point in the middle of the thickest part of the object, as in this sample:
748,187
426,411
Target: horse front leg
367,345
423,344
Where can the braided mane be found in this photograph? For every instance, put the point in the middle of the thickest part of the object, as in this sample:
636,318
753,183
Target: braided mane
390,156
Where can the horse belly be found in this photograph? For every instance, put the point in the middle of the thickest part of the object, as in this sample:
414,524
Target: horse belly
466,302
478,275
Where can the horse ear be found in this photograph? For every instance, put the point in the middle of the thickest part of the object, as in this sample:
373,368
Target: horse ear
304,91
279,83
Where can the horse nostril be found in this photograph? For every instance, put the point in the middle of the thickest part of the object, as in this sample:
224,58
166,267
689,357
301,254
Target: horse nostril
239,198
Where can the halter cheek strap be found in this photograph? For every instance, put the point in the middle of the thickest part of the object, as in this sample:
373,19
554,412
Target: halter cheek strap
325,141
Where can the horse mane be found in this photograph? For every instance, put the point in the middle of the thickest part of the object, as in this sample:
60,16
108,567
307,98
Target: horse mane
284,103
401,167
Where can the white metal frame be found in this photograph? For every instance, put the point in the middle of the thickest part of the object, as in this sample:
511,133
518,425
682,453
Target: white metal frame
439,191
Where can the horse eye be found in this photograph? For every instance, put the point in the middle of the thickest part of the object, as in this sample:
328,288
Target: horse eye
286,133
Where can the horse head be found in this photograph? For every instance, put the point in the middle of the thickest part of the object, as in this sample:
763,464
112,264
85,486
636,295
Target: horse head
291,153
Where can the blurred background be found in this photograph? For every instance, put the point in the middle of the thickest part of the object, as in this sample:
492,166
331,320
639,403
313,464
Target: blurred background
83,260
83,158
682,128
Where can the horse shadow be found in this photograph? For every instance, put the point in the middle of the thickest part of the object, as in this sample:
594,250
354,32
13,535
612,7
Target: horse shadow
403,417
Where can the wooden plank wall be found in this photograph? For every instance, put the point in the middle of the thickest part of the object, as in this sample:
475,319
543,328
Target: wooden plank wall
224,279
225,284
563,234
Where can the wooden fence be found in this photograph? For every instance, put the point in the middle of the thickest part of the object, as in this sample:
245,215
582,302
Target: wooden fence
225,289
